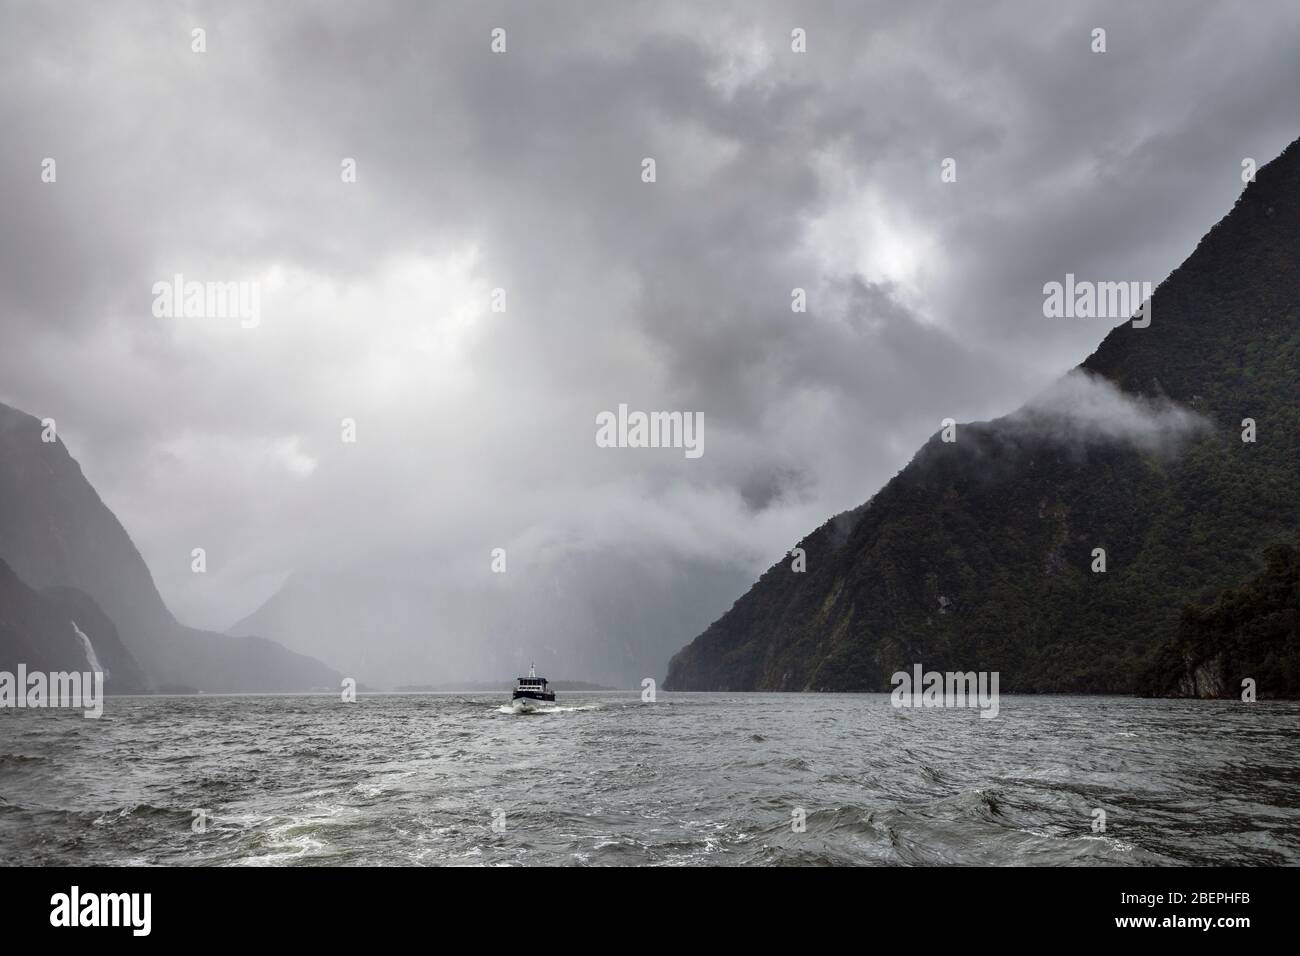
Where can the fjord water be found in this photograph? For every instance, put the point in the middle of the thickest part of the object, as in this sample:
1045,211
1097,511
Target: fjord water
691,779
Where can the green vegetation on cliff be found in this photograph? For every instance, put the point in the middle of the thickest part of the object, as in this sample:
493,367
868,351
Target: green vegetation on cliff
979,554
1250,632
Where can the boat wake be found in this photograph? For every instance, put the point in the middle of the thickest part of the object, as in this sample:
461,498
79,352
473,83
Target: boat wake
520,707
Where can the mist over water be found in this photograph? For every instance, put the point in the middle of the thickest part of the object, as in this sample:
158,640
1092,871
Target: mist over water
692,779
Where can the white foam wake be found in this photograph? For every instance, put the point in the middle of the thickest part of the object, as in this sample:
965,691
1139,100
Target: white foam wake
550,709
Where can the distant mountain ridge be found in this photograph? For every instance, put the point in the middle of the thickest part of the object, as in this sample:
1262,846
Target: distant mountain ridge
56,533
978,554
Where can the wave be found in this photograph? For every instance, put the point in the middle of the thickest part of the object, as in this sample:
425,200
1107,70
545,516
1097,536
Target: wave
21,759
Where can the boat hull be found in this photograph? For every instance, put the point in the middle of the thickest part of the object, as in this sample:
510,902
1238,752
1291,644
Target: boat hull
537,697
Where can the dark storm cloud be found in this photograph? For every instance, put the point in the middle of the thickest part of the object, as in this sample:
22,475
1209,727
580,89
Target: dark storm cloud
522,171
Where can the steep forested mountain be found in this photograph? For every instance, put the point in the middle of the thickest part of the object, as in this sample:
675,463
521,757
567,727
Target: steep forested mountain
980,553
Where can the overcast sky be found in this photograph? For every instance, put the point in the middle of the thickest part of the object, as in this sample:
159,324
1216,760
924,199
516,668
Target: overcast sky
522,170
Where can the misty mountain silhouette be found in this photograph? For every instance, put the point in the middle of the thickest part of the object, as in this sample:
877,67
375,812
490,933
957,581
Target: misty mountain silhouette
979,554
56,533
40,629
607,617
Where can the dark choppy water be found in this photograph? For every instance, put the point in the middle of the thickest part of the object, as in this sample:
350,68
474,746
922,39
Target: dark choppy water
692,779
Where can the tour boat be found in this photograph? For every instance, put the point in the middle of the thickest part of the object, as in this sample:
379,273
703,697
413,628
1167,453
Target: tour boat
531,691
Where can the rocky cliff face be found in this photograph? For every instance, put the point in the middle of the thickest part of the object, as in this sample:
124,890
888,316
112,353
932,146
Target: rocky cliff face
1248,638
980,553
1203,678
55,532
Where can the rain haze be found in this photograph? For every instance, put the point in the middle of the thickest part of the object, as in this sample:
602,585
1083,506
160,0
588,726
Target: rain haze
458,255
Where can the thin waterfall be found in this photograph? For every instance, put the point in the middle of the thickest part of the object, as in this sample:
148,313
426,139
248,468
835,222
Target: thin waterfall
92,659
